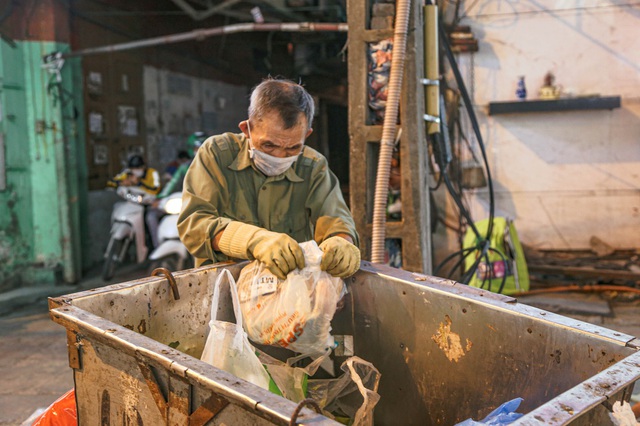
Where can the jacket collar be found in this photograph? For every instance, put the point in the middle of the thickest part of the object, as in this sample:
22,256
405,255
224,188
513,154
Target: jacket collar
242,161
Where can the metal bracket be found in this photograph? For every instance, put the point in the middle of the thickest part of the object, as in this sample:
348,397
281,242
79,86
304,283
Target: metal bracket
431,118
205,412
154,387
208,410
53,63
429,82
74,346
635,343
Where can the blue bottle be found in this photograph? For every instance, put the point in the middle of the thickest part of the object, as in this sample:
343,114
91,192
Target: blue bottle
521,91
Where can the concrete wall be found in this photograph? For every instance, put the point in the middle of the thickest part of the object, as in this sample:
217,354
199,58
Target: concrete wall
563,176
177,105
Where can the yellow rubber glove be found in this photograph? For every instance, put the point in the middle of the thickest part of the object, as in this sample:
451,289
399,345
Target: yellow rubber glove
280,253
340,258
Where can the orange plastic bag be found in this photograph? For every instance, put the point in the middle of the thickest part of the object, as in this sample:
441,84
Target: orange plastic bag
61,413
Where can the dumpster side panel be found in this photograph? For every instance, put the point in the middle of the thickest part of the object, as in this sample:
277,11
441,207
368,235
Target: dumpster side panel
111,388
149,307
445,358
446,353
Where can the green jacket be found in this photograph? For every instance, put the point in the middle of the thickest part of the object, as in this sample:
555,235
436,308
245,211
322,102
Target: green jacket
175,184
222,186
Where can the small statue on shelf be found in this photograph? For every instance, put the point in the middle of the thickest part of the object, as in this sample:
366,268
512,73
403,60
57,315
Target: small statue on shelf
548,90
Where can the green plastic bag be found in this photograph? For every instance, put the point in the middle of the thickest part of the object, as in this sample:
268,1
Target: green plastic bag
503,241
285,380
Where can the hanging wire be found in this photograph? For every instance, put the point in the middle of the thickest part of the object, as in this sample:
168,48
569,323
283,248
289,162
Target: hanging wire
482,248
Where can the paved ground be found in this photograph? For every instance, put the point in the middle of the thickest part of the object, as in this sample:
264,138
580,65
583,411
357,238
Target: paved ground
34,370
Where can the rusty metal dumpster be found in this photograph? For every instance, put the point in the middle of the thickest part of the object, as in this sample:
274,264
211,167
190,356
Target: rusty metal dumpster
447,352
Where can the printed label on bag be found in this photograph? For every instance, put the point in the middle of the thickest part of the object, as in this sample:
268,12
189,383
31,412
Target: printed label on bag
264,283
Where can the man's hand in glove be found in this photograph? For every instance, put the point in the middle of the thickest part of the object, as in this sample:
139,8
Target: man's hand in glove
280,253
341,258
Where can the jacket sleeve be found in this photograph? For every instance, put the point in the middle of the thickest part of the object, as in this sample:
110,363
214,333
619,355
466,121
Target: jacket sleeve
151,181
328,209
203,196
117,179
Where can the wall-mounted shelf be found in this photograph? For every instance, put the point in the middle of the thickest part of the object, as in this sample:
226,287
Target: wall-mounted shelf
571,104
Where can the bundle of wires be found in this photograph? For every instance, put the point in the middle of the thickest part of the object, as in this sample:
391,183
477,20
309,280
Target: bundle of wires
442,154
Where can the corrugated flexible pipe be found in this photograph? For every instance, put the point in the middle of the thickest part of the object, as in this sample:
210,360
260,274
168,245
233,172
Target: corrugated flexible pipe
389,130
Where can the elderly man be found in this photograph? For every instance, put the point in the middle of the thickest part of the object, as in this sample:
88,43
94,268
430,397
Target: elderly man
257,194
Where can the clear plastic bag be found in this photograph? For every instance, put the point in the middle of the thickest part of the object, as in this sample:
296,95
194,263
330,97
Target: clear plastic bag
227,346
296,313
353,395
291,382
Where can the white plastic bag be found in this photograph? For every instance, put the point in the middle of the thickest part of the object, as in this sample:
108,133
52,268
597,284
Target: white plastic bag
622,414
227,346
296,313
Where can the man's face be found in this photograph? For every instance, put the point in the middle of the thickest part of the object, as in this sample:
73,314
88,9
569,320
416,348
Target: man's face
269,135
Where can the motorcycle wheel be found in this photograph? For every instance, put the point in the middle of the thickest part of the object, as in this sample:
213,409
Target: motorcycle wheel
169,262
111,260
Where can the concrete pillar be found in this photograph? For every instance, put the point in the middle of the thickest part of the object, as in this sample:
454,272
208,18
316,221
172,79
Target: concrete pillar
39,206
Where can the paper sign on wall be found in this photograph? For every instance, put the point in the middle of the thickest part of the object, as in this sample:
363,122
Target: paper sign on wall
128,120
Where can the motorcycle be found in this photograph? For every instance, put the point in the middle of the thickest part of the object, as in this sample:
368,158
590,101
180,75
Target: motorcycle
170,253
127,226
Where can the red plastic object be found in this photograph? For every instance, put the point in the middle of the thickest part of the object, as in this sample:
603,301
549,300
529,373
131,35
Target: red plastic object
61,413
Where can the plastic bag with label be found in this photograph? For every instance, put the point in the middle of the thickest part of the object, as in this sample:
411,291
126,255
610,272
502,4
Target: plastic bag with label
227,346
295,313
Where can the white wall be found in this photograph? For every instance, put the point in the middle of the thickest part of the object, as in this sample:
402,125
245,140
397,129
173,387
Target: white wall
563,176
176,105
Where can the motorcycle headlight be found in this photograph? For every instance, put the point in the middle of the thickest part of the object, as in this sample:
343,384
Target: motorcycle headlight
173,206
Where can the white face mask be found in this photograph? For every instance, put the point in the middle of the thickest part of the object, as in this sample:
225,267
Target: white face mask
268,164
138,172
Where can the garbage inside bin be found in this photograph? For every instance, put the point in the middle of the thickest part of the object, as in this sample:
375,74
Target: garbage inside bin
503,415
134,350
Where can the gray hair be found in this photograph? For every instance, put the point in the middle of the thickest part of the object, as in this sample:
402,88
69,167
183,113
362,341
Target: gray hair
289,99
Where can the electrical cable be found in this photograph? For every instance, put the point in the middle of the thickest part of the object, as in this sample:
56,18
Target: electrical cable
463,257
472,118
448,258
482,244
